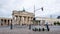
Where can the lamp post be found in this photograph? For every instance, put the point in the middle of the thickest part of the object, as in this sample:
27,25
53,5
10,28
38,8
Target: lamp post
34,15
36,10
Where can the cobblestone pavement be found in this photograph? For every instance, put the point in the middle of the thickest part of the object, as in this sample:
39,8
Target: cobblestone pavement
26,31
4,30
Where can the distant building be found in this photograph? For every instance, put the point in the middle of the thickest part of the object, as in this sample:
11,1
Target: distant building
58,17
47,20
5,21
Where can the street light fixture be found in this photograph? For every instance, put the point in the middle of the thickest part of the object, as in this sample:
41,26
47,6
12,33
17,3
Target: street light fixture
36,10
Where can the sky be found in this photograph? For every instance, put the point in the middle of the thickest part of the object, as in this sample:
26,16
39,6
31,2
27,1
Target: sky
51,7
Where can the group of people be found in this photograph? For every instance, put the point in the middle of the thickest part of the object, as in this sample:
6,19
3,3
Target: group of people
45,25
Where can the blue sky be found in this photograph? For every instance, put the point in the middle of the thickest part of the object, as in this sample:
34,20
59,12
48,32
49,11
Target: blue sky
51,7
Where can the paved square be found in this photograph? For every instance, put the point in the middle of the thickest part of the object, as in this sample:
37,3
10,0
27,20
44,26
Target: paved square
26,31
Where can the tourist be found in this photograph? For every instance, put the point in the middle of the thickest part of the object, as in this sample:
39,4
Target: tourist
47,26
30,26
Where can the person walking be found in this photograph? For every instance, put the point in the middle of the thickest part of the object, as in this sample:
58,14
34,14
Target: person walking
47,27
30,26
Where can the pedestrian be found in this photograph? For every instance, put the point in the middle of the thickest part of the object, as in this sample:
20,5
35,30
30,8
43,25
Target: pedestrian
30,26
47,26
11,26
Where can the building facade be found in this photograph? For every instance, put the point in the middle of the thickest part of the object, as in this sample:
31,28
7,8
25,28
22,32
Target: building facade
22,17
26,18
5,21
44,20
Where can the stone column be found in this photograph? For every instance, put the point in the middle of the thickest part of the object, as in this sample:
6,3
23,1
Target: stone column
7,22
14,20
21,20
17,19
0,22
3,22
26,21
10,22
29,20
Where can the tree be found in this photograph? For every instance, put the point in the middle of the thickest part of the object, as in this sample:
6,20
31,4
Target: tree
55,23
58,17
58,23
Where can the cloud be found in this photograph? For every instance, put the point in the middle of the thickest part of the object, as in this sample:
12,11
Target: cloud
51,7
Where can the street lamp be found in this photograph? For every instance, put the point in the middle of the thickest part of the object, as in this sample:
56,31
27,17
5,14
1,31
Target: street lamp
34,14
36,10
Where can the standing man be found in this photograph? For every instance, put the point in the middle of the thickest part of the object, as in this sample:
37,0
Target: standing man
47,26
11,26
30,26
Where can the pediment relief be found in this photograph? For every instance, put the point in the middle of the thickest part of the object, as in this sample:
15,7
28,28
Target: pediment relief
23,13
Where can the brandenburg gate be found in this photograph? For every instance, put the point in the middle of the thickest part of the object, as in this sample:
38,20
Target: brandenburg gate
22,17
